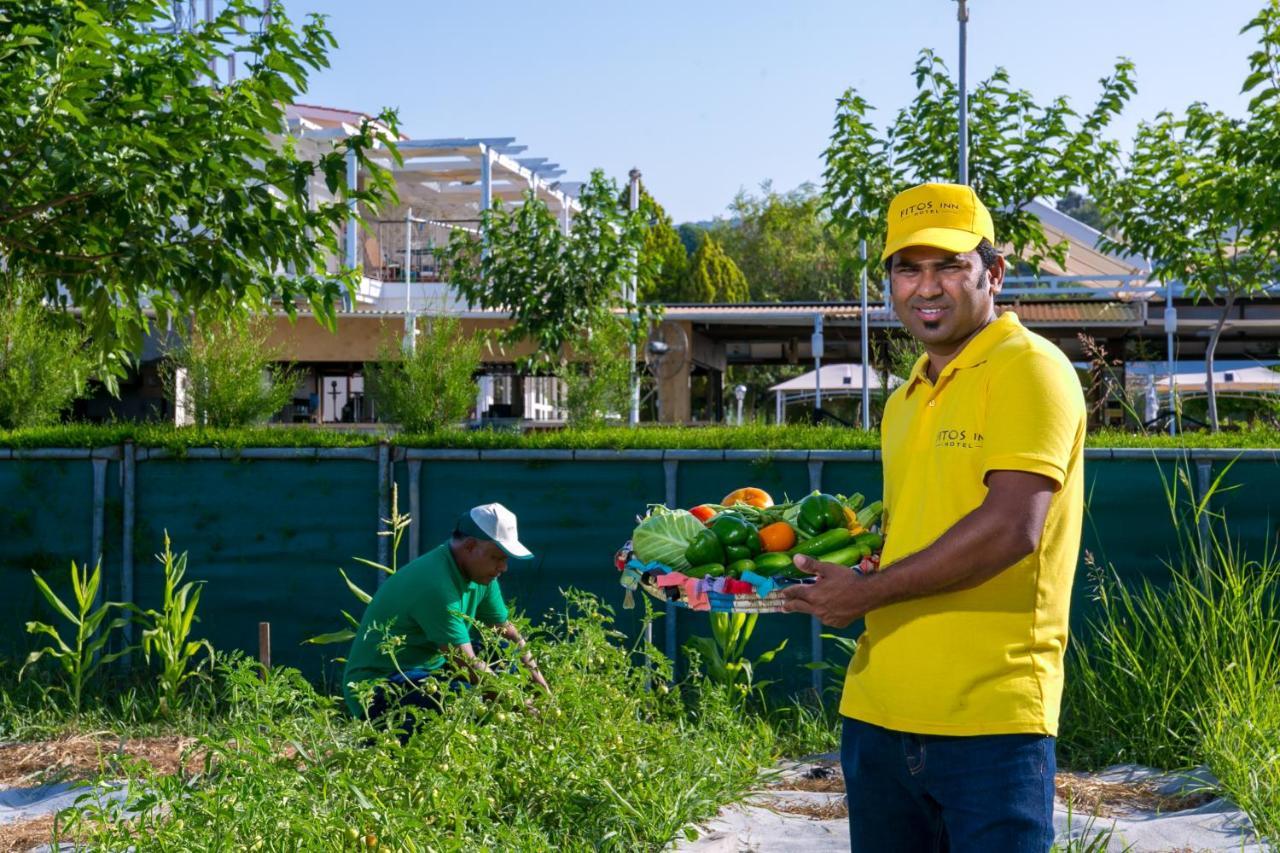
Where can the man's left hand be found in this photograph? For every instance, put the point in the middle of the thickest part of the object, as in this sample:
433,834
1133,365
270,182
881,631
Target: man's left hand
838,597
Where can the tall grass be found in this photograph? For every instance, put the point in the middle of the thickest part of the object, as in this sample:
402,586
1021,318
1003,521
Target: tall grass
1186,674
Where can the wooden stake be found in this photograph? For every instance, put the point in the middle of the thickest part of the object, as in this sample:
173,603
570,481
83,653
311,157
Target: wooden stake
264,647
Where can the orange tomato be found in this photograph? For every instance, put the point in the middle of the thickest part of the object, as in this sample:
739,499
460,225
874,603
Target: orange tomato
750,496
778,536
703,513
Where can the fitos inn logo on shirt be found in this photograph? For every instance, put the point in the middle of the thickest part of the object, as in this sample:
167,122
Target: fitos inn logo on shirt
958,438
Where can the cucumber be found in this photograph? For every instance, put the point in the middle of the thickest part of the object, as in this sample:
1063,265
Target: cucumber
714,570
846,556
823,542
871,541
774,562
737,567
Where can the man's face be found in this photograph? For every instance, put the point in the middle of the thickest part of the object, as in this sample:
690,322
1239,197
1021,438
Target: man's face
481,561
942,297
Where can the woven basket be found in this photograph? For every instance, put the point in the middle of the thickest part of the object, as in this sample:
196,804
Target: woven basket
743,602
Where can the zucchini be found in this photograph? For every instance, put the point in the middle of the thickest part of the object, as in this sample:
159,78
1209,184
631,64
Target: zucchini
847,556
823,542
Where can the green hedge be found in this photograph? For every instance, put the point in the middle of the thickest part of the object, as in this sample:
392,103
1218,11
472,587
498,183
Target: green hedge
608,438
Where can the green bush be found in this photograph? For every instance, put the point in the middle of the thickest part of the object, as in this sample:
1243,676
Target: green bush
43,363
430,388
598,381
228,374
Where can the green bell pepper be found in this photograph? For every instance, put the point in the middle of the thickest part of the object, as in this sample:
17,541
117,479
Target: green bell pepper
733,530
705,548
819,512
734,553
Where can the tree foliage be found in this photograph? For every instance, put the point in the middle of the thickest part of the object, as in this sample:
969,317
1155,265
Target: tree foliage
129,182
432,386
785,248
664,262
227,373
1198,194
556,286
1019,150
713,276
44,363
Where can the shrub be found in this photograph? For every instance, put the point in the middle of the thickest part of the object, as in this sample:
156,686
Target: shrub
227,373
43,363
432,386
598,381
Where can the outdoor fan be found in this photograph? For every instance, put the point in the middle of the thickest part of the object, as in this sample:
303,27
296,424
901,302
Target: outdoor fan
666,350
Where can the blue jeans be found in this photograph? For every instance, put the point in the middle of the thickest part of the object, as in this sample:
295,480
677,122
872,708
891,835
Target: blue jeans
910,792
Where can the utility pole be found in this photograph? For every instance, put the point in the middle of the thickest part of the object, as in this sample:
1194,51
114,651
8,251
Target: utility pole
962,15
633,418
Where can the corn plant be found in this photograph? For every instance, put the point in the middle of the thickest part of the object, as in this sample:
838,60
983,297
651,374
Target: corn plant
396,525
724,652
81,654
165,632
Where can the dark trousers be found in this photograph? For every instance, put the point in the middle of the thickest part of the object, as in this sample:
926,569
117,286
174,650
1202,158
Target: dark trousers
910,792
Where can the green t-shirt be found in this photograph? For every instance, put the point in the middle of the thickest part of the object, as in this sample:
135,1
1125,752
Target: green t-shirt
423,602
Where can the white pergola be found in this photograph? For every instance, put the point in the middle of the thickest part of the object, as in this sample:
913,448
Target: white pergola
443,185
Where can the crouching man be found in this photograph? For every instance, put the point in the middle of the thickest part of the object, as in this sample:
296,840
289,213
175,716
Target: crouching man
421,609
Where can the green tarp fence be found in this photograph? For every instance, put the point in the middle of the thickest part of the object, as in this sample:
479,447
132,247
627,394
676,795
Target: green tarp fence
267,529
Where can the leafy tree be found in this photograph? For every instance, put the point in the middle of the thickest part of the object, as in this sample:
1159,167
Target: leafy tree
1197,196
228,374
431,387
129,183
664,261
1019,150
556,286
1081,209
713,276
784,246
43,361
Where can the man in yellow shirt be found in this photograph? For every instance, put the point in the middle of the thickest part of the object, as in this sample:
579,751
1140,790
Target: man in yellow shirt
950,704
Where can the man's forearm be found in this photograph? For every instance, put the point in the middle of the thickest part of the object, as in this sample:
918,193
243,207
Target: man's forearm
971,552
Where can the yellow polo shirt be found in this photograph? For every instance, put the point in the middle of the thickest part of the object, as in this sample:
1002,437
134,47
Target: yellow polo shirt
986,660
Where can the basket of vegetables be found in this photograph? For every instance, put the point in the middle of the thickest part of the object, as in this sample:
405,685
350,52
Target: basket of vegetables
737,555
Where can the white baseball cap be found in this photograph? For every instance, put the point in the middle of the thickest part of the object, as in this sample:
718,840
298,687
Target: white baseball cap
497,524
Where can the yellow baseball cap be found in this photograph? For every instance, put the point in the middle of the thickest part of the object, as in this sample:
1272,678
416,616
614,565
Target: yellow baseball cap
948,216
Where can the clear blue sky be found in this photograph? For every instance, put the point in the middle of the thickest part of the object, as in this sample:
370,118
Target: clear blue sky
710,96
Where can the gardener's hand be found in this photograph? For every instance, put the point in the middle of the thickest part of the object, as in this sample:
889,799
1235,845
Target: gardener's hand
837,598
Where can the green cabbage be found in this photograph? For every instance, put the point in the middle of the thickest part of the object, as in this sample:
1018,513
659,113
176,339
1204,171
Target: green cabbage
664,535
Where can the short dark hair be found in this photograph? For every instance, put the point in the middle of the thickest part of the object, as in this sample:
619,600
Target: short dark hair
987,252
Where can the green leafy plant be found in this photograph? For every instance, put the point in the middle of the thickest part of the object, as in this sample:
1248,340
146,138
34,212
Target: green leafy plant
598,379
556,286
393,528
166,632
724,652
81,654
43,363
430,386
227,373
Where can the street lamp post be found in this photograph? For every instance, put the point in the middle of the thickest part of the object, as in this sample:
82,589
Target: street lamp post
962,15
633,418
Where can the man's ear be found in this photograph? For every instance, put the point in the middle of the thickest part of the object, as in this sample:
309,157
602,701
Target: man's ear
995,275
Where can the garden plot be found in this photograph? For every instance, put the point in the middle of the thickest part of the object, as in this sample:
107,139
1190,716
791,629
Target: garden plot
801,807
